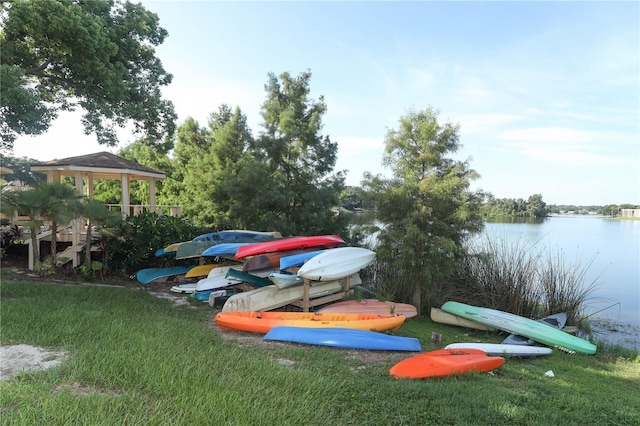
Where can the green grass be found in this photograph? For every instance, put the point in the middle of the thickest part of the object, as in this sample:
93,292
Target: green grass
140,360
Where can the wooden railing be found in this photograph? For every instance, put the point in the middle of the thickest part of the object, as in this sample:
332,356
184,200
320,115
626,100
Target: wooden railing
136,209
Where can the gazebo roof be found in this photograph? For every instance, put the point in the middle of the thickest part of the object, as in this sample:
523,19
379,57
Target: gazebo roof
103,165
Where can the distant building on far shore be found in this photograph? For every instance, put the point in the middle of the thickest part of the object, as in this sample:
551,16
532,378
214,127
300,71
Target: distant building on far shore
630,212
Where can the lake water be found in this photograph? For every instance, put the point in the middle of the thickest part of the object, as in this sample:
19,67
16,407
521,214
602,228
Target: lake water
612,247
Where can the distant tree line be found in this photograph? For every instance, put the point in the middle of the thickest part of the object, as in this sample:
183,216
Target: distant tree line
534,206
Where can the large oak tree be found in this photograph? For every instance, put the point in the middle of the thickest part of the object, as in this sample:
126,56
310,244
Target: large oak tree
98,55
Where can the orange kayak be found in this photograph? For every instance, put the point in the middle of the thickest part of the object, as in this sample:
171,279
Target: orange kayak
445,362
262,322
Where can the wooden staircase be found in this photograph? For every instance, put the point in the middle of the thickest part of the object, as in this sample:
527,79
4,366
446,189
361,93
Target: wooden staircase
72,253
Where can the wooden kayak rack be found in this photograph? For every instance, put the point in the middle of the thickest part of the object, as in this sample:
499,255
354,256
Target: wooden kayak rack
305,303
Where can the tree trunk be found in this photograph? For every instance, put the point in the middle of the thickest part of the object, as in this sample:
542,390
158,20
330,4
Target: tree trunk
87,248
35,249
54,243
417,297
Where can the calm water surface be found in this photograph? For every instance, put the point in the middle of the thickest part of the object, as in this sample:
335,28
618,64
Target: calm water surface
612,247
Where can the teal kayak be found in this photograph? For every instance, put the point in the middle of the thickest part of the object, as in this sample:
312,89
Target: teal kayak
145,276
535,330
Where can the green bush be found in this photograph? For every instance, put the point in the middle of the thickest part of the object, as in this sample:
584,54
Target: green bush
144,234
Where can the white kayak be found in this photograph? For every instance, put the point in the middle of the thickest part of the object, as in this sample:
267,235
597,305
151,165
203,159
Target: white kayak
217,278
336,263
284,280
183,288
495,349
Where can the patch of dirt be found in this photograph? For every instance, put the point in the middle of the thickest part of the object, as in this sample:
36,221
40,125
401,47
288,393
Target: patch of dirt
176,299
17,358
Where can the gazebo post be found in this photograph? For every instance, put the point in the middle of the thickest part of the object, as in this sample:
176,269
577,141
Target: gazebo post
126,208
76,223
152,195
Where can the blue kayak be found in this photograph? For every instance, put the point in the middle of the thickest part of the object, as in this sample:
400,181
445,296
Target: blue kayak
237,236
224,249
297,259
343,338
161,253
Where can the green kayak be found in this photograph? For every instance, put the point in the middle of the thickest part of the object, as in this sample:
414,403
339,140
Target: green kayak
532,329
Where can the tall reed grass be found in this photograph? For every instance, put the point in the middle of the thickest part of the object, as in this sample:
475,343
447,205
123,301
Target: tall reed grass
523,278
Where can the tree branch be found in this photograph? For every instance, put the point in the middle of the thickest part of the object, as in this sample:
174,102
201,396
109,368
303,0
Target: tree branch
38,70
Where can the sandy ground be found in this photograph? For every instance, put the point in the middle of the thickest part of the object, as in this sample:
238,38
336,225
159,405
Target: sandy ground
17,358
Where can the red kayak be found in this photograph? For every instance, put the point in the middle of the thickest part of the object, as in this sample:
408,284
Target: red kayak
285,244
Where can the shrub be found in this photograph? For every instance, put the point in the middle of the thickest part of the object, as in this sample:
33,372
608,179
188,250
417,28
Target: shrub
146,233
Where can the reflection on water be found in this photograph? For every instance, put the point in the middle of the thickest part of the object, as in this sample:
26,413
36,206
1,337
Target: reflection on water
609,248
613,247
525,220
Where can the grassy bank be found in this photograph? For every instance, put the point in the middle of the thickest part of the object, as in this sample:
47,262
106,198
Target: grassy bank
141,360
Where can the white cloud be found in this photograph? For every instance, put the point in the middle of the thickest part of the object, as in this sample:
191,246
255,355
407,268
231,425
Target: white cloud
566,146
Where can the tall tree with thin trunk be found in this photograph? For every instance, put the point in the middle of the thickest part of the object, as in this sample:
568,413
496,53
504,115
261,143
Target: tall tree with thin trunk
286,181
427,207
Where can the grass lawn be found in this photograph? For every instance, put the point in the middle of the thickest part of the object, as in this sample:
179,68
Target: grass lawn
138,359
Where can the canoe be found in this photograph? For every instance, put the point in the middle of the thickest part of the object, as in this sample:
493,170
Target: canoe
284,280
289,244
262,322
297,260
272,297
371,306
347,338
503,350
556,321
442,317
532,329
445,362
238,236
145,276
336,263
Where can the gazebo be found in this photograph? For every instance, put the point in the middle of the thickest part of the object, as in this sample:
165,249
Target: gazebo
102,165
85,169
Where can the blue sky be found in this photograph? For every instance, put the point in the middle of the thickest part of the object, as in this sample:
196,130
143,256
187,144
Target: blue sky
547,94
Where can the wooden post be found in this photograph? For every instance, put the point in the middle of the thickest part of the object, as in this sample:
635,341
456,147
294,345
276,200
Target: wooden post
305,296
346,284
